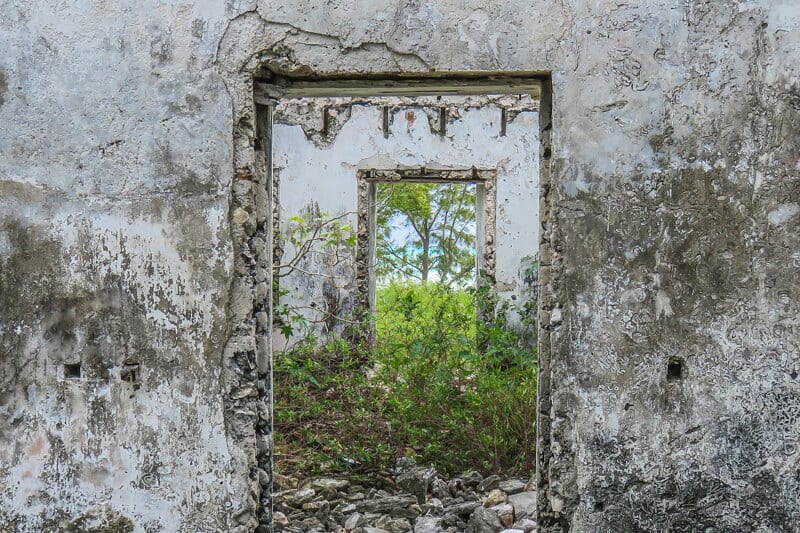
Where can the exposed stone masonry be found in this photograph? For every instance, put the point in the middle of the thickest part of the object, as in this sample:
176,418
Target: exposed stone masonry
247,354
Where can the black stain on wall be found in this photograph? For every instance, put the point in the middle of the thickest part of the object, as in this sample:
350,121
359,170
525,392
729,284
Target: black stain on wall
3,86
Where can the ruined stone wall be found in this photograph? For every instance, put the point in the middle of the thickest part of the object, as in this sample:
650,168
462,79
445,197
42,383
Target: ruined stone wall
132,216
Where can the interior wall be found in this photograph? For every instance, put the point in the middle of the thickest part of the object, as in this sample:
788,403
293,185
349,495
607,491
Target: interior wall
316,170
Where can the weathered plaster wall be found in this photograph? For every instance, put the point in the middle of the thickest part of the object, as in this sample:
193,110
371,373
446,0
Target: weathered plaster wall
115,176
314,170
670,229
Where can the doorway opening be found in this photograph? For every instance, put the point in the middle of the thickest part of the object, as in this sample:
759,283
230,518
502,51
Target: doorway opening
426,232
425,270
318,144
426,226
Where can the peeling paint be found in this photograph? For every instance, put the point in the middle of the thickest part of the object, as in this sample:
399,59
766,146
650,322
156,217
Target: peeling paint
133,250
783,214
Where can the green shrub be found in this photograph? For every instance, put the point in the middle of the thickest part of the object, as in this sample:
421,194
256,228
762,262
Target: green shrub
457,406
427,391
328,415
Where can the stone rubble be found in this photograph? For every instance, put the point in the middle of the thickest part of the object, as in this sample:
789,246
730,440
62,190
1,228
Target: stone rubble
414,499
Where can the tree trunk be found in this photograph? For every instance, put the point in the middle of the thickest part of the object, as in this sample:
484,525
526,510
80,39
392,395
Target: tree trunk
426,260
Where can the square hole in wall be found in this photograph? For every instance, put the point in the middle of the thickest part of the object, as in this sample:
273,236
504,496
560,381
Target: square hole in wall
131,373
72,370
675,369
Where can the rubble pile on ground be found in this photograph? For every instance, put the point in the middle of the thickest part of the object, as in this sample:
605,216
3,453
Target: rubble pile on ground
412,498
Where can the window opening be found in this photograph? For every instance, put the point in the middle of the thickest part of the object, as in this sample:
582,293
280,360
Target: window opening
425,232
400,209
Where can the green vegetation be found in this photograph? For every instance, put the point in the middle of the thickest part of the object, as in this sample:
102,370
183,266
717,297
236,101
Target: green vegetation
455,406
439,241
448,381
429,394
327,414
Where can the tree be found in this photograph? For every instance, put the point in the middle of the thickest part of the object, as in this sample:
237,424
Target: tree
426,229
319,247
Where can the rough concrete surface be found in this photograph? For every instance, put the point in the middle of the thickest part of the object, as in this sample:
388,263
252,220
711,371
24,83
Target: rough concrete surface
133,231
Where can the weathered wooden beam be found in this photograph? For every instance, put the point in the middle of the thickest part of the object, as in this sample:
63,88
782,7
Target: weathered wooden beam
266,91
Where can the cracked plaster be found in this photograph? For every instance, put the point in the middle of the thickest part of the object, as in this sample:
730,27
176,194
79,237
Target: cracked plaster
126,137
